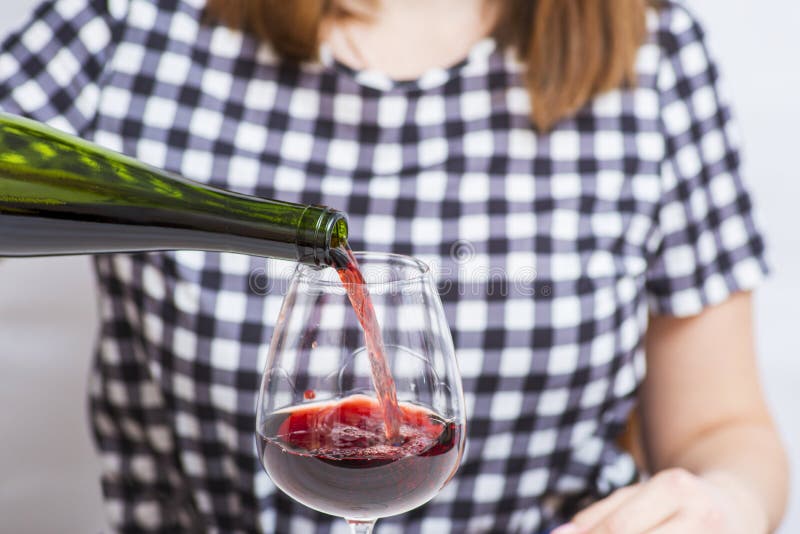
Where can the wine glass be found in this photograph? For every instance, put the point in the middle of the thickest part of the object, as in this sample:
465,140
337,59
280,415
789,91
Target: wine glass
321,429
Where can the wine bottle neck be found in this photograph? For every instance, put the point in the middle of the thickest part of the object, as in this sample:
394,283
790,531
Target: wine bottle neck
319,230
63,195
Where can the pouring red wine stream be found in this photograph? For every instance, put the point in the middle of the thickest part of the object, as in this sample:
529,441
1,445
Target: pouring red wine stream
346,266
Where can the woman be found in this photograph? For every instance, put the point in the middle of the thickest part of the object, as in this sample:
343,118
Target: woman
568,168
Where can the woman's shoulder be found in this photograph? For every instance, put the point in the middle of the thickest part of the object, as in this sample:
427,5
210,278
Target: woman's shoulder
671,24
676,48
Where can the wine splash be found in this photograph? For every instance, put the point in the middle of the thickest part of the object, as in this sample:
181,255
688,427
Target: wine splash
346,266
336,457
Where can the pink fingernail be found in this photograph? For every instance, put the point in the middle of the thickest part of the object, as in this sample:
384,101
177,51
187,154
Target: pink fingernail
569,528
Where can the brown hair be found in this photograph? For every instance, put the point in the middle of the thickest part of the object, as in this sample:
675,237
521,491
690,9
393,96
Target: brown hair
573,49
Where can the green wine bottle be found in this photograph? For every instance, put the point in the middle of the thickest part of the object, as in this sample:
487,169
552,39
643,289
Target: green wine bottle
62,195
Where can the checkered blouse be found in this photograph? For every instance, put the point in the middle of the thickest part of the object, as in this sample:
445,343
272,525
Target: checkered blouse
550,250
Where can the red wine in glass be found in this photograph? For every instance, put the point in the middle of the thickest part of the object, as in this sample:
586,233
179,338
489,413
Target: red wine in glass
323,437
336,457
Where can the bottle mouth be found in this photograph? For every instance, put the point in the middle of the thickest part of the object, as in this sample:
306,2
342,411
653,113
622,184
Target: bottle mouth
319,230
331,235
338,230
379,269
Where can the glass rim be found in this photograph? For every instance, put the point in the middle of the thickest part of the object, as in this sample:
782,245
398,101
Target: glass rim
306,273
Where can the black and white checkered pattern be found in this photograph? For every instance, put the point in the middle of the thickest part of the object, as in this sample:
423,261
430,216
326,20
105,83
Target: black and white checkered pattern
550,249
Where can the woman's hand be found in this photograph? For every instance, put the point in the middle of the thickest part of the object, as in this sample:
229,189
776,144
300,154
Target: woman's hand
674,502
701,409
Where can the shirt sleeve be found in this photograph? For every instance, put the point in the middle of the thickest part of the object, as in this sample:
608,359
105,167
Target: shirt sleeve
51,67
707,245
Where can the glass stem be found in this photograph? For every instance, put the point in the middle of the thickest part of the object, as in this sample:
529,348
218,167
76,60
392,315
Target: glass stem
361,526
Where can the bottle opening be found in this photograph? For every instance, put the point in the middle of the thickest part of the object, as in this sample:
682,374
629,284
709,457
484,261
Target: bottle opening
339,234
320,229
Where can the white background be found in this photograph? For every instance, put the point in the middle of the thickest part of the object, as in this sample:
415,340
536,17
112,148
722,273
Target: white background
48,469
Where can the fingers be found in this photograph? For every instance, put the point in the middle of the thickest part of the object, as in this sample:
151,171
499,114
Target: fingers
599,510
677,525
672,502
653,504
640,509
